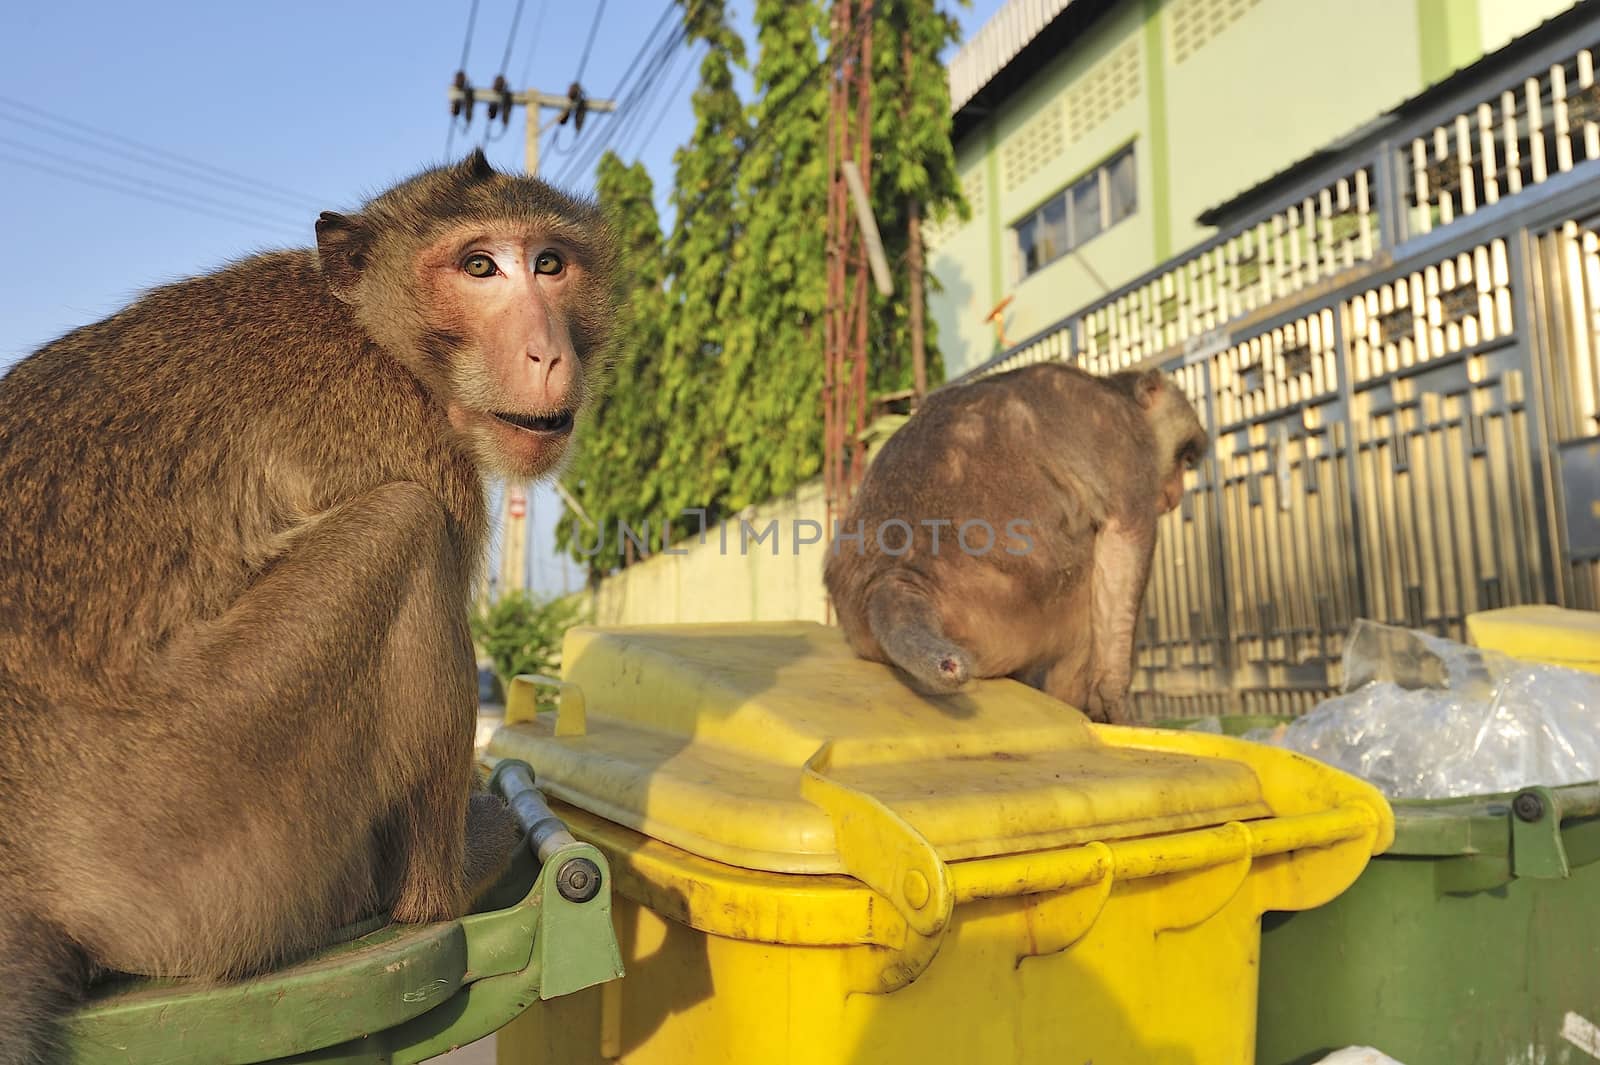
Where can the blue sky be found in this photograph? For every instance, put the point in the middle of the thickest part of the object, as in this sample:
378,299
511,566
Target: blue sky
269,113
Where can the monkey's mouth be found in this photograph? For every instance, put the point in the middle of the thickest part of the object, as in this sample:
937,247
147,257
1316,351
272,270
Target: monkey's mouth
555,424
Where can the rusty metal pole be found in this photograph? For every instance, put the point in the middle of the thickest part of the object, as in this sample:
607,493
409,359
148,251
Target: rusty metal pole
849,140
914,250
834,332
863,310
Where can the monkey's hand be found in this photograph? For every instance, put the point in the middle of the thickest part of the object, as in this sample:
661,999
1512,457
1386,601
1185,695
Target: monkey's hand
492,835
1108,703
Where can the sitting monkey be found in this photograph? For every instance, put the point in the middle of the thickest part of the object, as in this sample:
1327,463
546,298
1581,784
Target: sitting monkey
241,523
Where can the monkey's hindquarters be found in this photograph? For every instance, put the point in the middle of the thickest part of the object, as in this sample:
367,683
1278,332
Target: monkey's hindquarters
46,976
905,624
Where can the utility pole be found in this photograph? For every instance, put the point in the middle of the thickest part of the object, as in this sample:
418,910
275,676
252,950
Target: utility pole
573,106
498,100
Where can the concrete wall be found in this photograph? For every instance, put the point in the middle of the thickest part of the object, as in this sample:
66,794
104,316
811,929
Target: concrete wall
1215,96
763,565
748,569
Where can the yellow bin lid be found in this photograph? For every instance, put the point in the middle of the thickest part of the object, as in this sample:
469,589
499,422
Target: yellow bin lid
1540,633
715,738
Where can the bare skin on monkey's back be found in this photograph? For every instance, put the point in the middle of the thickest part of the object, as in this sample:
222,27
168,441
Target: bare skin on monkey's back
1068,474
243,516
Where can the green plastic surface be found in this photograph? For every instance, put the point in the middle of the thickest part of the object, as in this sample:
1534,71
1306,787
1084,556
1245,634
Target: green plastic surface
1466,943
395,994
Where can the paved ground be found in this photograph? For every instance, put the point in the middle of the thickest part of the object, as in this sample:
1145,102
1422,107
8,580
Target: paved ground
490,717
479,1053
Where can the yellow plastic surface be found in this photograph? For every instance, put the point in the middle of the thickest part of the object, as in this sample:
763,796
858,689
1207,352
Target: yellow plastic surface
704,736
1552,635
813,864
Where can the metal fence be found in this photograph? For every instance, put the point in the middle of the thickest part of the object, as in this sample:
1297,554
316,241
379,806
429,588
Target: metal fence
1399,362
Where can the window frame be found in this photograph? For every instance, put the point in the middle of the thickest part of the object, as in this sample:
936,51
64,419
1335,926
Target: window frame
1100,174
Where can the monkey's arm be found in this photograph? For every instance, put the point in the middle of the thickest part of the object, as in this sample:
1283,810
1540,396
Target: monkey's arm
351,651
1122,554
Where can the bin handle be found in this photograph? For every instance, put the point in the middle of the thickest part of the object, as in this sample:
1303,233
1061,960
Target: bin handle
578,879
883,851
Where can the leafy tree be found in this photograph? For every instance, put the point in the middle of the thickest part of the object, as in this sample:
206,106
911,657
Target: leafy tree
613,476
523,635
913,170
693,469
769,390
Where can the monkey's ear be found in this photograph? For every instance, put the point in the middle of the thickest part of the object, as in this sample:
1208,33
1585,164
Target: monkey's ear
1148,388
342,252
477,166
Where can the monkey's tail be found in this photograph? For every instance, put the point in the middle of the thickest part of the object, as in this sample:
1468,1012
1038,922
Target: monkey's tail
44,981
906,625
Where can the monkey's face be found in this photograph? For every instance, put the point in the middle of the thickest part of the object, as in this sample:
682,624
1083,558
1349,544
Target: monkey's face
1182,441
497,292
515,379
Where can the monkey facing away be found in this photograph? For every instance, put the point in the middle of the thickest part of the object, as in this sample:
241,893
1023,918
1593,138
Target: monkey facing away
241,522
1007,529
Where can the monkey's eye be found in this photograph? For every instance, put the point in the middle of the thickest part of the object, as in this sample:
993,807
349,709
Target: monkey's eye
548,262
479,265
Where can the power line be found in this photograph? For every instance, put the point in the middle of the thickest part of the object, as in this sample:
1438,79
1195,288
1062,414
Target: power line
641,98
466,46
578,164
647,79
511,38
652,72
594,27
79,164
655,127
180,204
466,50
533,47
633,108
187,161
655,31
174,168
641,122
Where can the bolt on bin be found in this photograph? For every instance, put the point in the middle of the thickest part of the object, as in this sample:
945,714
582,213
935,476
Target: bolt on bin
813,864
1472,939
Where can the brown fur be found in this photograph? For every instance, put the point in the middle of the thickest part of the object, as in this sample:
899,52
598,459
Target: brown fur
241,521
1071,472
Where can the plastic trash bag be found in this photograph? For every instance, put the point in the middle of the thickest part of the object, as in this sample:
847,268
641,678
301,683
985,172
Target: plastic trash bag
1422,717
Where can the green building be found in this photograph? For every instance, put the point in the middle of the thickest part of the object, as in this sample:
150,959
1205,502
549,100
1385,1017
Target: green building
1092,135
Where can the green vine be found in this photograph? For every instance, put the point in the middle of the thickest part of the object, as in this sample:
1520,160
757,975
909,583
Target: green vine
717,401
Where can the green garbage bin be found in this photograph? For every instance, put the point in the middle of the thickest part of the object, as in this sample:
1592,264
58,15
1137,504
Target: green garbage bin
1474,940
385,994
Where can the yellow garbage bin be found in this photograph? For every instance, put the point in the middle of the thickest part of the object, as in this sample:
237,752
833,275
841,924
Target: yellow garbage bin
813,865
1552,635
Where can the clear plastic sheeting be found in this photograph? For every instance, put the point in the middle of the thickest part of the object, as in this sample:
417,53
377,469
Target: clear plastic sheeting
1422,717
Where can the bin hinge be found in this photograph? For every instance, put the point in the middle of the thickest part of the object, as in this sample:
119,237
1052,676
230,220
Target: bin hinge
883,851
1537,851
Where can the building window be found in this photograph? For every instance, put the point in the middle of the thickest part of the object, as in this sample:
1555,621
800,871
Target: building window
1079,213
